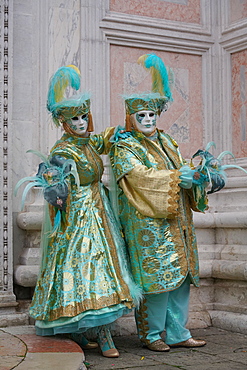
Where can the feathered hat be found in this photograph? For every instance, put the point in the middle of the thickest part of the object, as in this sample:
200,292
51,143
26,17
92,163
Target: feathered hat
62,108
162,81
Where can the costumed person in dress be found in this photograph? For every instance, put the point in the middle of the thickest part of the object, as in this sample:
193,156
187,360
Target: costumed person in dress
156,194
84,281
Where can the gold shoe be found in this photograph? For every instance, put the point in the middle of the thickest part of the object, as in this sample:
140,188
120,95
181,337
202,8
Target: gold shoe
106,344
158,346
90,345
190,343
110,353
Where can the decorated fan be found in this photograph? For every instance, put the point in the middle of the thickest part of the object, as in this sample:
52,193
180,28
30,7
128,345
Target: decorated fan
210,168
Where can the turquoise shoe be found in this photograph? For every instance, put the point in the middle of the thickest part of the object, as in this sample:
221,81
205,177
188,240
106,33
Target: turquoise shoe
82,341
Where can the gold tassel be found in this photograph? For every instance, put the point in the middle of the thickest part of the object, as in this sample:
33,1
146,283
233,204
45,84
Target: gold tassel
127,122
90,127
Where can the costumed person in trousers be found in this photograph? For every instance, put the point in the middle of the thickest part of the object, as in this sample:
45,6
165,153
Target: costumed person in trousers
84,281
156,193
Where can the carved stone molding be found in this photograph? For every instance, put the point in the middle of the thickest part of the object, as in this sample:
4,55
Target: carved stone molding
130,22
7,298
5,146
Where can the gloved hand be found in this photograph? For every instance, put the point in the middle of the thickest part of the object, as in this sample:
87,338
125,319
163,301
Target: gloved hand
120,133
186,177
190,177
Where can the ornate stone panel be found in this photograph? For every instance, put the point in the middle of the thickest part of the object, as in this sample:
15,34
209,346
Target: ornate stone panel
187,47
175,10
238,10
239,103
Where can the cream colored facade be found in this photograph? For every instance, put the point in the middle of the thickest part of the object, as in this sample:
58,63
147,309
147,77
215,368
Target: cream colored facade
205,42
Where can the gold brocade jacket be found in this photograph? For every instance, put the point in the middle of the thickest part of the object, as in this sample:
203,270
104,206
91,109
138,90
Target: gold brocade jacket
155,212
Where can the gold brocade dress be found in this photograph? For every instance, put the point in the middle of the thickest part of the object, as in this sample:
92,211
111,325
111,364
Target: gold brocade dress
84,281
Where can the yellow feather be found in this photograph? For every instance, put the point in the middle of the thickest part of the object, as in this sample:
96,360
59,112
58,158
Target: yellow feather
61,85
141,60
59,89
75,68
157,85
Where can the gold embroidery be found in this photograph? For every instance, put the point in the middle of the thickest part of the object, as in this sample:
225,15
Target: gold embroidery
174,194
146,237
142,322
89,304
151,265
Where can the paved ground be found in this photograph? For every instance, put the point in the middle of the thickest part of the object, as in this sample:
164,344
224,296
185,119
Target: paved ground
20,349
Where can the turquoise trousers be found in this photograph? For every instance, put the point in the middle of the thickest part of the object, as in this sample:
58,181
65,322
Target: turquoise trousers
164,311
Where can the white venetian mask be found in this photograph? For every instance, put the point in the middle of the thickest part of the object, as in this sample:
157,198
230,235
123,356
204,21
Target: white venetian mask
145,121
79,124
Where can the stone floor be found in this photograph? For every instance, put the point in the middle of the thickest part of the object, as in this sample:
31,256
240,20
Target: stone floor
21,349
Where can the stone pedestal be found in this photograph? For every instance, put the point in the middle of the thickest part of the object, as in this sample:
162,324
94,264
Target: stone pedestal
26,272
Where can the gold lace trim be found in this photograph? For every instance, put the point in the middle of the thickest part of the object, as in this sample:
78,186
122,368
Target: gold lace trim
142,322
88,304
174,193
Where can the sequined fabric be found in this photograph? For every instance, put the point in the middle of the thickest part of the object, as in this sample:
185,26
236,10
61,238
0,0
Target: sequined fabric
155,212
82,273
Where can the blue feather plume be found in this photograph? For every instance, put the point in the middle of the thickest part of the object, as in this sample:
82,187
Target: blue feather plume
65,76
161,81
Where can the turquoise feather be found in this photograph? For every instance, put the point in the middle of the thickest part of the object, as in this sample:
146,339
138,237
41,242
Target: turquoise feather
64,77
57,223
39,154
233,166
226,152
73,171
21,181
208,146
157,63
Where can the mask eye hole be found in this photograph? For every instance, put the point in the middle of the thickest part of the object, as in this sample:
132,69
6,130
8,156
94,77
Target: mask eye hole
74,118
151,115
84,116
142,115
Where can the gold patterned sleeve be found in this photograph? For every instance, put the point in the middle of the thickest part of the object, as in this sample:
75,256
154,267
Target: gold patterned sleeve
101,142
153,193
